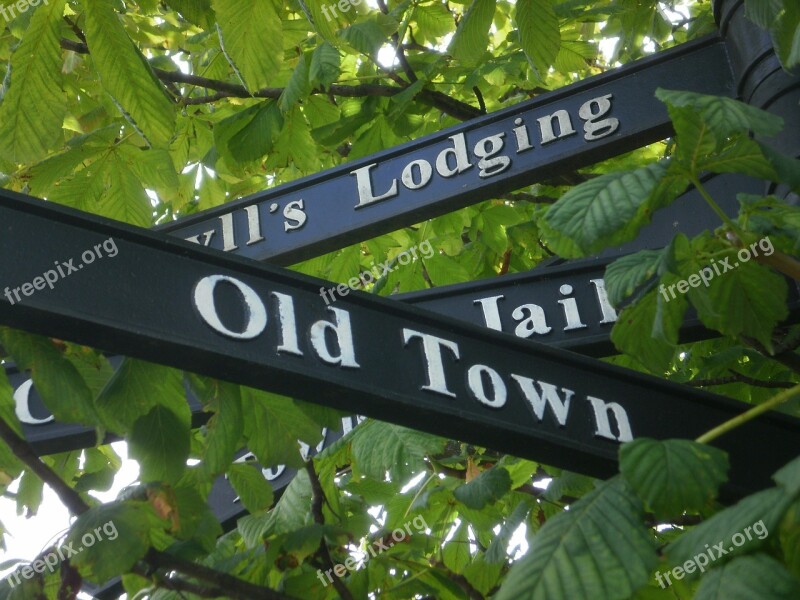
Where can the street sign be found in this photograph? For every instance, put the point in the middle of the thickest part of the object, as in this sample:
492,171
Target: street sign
506,303
574,126
171,302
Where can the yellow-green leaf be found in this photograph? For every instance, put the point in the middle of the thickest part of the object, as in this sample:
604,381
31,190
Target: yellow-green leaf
126,76
252,38
34,107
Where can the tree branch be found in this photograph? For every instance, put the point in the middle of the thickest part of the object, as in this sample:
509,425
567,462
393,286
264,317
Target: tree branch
739,378
787,357
446,104
233,587
317,500
69,497
398,47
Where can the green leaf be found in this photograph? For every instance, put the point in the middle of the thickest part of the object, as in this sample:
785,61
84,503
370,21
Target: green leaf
786,35
379,447
29,494
299,86
249,134
251,32
695,138
117,536
539,33
325,65
137,387
455,554
743,156
294,145
34,105
433,20
152,166
257,138
786,168
290,513
498,550
58,382
324,416
789,477
197,12
756,577
195,519
626,274
648,330
725,116
159,441
251,485
759,513
368,36
225,428
747,300
483,575
444,270
8,404
790,539
605,211
673,476
273,425
581,553
126,75
124,198
472,36
486,488
763,12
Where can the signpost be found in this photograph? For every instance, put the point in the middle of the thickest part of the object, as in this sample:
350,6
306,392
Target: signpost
571,127
510,303
268,328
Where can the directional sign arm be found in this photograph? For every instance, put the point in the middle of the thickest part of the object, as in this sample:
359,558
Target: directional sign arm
171,302
572,127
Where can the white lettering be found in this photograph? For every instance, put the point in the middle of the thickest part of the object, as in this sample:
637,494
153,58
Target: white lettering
560,408
432,348
475,380
22,399
601,410
343,333
364,182
256,313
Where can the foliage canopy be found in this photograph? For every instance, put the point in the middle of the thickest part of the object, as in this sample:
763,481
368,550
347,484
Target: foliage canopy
146,111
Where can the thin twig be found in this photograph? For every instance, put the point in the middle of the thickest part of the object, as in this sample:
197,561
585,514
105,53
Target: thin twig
398,47
749,415
787,358
479,96
739,378
450,106
317,501
69,497
234,587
